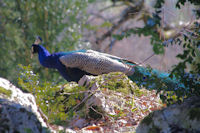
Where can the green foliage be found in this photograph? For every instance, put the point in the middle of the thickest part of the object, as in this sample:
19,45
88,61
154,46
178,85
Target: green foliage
27,79
117,84
5,92
57,102
106,24
182,2
58,22
159,4
97,27
189,57
188,69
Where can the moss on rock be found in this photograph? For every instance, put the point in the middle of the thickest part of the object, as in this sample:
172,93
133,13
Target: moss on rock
5,91
117,82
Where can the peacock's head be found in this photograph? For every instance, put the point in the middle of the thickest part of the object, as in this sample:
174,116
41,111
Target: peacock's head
35,46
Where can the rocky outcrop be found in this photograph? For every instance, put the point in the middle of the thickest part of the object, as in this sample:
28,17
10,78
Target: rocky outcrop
117,101
177,118
106,103
18,111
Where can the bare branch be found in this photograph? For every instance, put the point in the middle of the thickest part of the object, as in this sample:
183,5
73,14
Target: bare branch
128,13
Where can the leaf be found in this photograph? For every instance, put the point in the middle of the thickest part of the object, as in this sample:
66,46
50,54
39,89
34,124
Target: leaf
144,103
184,55
118,37
93,128
91,27
158,48
106,24
117,111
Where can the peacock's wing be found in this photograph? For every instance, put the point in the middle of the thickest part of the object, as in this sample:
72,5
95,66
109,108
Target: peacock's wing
95,62
113,57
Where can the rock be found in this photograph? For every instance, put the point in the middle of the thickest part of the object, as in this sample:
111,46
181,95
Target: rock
116,100
79,122
18,110
103,97
105,100
69,131
177,118
109,102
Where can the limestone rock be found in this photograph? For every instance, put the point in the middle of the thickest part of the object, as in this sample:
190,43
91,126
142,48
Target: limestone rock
18,110
177,118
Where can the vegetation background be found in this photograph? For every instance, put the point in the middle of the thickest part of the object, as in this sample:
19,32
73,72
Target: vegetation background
58,22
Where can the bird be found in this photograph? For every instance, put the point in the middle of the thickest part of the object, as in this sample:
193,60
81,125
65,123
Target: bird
73,65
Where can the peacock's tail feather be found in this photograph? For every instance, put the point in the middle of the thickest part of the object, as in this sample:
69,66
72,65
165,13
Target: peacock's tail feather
154,79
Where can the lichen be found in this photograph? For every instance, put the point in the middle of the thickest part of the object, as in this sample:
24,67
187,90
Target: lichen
194,113
5,92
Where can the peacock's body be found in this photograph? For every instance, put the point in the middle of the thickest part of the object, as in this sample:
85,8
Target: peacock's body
75,64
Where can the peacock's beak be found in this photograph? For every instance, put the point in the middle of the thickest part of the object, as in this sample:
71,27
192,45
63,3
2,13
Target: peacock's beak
34,48
32,52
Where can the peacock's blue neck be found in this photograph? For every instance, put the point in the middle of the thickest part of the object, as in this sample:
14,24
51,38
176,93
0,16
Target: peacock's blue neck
46,59
43,53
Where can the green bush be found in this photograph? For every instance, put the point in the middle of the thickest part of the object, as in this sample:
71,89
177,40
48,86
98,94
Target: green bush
56,101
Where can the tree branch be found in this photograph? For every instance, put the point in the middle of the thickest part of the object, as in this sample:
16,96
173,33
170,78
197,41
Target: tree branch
127,14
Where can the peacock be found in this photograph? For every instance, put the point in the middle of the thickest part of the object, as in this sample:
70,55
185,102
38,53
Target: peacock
74,65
